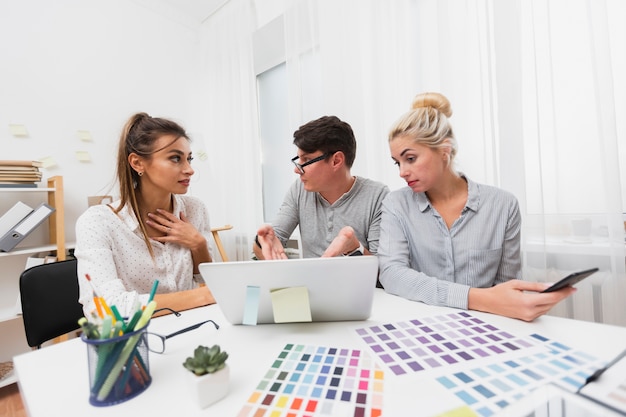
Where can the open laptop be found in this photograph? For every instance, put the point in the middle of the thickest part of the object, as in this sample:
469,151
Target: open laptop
339,288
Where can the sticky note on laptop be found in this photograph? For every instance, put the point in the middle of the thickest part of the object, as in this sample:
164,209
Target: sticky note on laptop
291,304
251,308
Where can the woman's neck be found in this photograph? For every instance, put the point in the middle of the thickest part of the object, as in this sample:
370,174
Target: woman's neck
152,203
451,188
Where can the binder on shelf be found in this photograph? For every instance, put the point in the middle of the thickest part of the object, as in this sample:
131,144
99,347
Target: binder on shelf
18,185
14,236
11,218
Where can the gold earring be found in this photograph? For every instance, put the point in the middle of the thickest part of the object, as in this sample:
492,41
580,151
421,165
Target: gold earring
140,173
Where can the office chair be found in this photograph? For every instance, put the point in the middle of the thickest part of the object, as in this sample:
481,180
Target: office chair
49,295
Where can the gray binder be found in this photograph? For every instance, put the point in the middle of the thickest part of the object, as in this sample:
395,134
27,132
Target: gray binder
23,228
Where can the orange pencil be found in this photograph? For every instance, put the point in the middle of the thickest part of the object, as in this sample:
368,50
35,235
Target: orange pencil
107,309
98,306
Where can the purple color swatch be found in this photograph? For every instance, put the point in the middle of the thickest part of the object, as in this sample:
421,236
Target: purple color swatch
445,339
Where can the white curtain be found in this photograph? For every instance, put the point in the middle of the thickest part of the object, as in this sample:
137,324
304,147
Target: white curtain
537,88
571,70
230,126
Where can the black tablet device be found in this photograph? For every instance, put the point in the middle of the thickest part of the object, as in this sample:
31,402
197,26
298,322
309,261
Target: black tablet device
571,279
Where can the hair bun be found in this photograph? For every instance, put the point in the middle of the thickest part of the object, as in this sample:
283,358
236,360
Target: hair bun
435,100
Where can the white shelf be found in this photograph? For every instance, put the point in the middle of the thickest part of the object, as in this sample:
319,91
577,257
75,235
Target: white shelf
25,190
11,378
36,249
29,250
12,263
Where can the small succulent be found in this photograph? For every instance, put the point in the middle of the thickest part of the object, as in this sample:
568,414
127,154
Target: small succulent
206,360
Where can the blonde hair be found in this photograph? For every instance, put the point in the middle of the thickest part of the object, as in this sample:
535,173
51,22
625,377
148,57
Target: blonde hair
427,123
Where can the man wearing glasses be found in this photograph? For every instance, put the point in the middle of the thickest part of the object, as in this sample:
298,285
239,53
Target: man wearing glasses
338,213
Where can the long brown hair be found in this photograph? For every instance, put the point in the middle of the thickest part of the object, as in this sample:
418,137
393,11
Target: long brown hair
138,136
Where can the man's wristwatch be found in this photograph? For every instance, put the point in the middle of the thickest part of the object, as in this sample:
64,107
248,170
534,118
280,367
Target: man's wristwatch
357,252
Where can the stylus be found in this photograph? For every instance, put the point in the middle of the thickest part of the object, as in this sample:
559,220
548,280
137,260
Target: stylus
600,371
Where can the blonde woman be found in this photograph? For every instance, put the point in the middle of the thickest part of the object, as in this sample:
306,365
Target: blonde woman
446,240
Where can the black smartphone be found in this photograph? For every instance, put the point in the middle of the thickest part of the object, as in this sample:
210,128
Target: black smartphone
570,280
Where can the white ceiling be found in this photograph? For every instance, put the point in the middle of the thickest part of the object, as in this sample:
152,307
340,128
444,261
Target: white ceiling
190,11
198,9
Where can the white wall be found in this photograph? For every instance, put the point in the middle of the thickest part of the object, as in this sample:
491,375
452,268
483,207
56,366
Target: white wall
72,65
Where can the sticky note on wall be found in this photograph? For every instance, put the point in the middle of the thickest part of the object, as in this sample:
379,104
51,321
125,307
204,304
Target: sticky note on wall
48,162
83,156
84,135
291,305
18,130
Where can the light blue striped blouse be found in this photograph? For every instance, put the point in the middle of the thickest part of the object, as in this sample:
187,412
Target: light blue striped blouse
421,259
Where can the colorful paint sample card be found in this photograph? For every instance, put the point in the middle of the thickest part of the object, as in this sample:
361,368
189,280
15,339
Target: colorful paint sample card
439,341
483,366
307,380
488,389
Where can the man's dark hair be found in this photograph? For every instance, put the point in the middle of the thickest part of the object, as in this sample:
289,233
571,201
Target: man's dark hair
329,135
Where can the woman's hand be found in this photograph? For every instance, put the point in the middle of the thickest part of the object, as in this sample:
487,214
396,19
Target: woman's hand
175,230
513,299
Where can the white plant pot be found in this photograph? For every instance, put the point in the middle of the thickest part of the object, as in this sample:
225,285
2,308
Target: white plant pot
210,388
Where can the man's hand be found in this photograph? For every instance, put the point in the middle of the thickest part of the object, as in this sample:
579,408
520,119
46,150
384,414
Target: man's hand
345,242
271,246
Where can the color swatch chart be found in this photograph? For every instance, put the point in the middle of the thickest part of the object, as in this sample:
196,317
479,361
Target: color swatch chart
307,381
483,366
487,389
438,341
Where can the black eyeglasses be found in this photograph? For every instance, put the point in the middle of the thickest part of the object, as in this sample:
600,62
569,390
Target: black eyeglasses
156,342
312,161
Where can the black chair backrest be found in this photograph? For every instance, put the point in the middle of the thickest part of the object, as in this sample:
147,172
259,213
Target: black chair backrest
50,306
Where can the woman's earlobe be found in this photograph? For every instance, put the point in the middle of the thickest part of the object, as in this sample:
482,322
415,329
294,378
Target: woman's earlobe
135,163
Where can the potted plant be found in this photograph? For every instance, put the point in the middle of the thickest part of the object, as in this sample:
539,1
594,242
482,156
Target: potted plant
209,374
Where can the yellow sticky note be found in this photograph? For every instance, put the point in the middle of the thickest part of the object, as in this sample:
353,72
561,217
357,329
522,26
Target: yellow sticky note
18,130
463,411
83,156
84,135
202,155
48,162
291,304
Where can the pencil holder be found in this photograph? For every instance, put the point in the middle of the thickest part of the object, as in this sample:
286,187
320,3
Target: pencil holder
118,367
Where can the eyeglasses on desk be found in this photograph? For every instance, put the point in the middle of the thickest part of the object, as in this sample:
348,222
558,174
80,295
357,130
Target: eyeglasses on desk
156,342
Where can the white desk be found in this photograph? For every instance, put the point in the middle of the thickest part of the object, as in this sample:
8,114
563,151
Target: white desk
54,380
